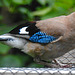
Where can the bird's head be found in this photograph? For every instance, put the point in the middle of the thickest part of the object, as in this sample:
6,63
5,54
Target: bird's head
19,36
13,41
27,29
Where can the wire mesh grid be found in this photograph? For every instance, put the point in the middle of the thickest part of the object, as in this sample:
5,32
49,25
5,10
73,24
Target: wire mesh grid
67,59
37,71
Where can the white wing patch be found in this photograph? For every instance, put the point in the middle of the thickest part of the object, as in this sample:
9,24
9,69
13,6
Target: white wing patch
23,31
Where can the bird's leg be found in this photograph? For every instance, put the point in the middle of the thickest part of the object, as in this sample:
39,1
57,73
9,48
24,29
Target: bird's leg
61,65
57,63
42,62
37,59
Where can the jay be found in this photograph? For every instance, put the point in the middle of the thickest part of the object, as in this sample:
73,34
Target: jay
44,40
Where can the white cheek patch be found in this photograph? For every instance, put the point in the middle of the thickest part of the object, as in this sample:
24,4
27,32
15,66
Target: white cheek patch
23,31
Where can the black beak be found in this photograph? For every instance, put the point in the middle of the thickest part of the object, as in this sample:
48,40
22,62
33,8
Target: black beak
3,39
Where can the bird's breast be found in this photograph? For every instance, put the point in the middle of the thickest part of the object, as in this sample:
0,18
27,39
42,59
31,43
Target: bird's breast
49,51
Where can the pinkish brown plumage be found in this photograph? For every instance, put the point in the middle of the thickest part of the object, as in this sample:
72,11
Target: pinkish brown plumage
59,26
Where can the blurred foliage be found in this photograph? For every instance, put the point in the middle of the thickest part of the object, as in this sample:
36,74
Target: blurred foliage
14,12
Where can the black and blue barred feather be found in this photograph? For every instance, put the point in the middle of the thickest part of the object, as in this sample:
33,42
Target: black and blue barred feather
41,37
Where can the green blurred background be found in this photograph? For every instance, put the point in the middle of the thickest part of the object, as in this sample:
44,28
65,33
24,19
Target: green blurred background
15,12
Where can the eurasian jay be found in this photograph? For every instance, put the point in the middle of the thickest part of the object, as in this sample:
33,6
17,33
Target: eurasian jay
44,40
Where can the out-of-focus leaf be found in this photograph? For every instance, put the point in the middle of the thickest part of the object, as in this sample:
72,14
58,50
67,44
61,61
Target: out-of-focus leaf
27,1
74,9
1,4
4,49
23,58
42,12
11,9
22,1
23,10
1,17
70,2
10,61
7,2
54,13
26,12
66,4
18,1
30,15
5,29
43,2
35,65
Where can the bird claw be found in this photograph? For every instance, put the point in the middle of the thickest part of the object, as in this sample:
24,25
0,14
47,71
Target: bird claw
50,65
62,65
42,62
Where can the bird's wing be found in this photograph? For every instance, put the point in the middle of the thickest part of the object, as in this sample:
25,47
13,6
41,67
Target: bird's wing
55,27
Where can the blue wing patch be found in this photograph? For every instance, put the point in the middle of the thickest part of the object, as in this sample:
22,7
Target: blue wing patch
41,37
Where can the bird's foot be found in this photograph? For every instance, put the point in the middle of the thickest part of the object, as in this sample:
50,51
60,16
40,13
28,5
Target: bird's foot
60,65
51,65
45,63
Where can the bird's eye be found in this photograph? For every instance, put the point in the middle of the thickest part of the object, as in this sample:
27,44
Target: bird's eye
23,30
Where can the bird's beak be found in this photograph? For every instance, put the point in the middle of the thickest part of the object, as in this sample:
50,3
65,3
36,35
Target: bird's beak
1,39
4,37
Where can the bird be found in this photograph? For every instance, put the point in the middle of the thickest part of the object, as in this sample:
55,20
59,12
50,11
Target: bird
44,40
